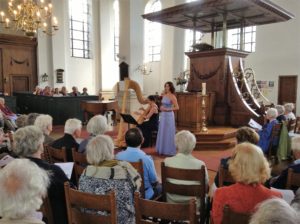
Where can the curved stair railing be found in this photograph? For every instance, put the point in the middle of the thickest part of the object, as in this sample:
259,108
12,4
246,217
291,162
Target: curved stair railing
255,91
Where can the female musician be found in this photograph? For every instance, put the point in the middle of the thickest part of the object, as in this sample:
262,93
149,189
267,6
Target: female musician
151,123
165,144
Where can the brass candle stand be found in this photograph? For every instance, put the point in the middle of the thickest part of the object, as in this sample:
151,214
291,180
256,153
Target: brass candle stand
203,108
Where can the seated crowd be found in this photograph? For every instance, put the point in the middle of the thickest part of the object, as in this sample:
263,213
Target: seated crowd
22,191
56,92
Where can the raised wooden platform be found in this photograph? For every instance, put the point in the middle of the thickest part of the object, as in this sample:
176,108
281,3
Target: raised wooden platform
216,138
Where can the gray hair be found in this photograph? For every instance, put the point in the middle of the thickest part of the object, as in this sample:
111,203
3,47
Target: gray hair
289,107
31,118
185,142
99,148
72,125
22,186
97,125
43,122
272,113
22,120
280,109
275,210
27,141
296,143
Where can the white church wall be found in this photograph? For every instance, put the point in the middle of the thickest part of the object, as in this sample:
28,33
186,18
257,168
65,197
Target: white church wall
278,50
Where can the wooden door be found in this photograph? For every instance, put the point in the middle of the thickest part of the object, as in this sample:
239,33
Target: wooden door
20,83
287,89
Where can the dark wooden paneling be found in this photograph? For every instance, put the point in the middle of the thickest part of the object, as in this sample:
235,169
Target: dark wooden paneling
287,89
18,63
60,108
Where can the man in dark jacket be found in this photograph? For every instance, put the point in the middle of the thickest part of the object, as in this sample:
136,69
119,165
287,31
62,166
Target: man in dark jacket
68,141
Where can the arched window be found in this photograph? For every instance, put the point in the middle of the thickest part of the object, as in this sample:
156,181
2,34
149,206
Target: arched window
152,33
116,29
80,28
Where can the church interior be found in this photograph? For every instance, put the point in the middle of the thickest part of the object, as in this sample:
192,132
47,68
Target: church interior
149,111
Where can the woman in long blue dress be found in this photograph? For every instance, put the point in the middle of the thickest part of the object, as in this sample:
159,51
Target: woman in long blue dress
165,144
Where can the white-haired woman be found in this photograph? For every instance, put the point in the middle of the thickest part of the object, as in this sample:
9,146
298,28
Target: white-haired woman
72,132
22,186
185,143
28,143
265,133
250,170
97,125
277,211
280,110
289,107
8,115
106,174
44,122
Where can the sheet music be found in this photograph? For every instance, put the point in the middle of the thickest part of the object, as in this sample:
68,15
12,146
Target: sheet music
67,168
253,124
5,160
287,195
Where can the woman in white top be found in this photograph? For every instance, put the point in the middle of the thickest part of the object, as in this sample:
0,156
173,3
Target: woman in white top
289,107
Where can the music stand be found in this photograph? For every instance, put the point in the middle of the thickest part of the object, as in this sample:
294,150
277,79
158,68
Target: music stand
129,119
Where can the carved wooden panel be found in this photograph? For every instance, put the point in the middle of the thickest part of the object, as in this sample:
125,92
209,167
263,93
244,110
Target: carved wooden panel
18,66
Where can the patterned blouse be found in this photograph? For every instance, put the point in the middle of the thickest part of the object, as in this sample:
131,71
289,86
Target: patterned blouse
124,191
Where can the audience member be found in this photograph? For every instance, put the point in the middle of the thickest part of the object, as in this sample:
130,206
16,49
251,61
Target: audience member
243,134
28,143
5,144
5,159
265,133
133,153
97,125
22,120
64,91
185,142
56,93
44,123
22,188
296,201
8,116
47,91
37,91
250,169
72,131
31,118
75,91
281,180
280,110
106,174
277,211
84,92
289,107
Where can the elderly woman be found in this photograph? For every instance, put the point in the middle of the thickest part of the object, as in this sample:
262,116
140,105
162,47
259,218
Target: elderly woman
28,143
289,107
21,192
281,180
185,143
44,122
97,125
280,110
250,169
106,174
22,120
243,134
266,131
8,115
275,211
